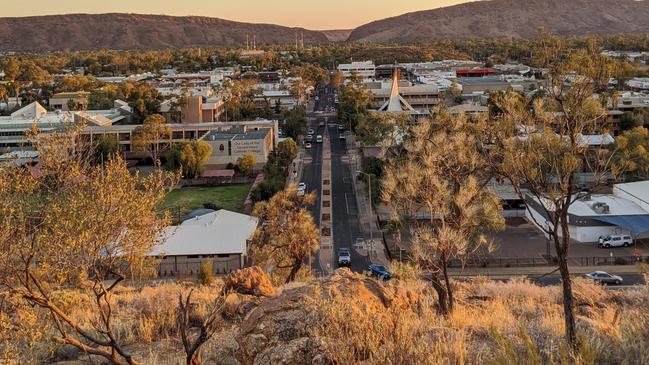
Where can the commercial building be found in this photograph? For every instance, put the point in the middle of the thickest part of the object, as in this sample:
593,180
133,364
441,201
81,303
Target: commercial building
364,69
63,101
228,146
220,237
402,95
13,128
470,85
592,216
181,132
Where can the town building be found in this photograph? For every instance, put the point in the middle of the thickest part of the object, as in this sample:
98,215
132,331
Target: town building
221,237
228,146
595,215
470,85
180,132
364,69
63,101
15,127
418,98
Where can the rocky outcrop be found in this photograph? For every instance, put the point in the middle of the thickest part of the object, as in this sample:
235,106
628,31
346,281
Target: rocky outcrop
285,329
510,19
138,31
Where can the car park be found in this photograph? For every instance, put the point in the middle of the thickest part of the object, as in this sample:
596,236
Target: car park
380,271
615,240
603,277
344,258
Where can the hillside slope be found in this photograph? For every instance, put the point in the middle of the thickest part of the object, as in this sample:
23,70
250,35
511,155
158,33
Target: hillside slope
510,18
135,31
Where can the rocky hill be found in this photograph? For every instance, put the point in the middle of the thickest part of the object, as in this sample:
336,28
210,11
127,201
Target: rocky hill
510,18
134,31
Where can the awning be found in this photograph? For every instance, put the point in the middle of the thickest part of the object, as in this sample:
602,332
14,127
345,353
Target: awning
637,224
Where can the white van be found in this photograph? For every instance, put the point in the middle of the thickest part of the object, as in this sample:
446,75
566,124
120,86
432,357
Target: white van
615,240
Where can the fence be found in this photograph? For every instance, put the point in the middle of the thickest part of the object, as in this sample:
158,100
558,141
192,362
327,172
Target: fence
191,267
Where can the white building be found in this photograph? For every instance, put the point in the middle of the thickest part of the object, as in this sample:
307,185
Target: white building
592,216
220,236
639,83
364,69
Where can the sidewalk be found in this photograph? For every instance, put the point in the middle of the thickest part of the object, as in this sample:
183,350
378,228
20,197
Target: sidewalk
366,217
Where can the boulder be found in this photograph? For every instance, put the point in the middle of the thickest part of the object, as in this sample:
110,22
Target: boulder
251,281
285,329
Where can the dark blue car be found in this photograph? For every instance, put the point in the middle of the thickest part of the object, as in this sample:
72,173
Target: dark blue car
380,271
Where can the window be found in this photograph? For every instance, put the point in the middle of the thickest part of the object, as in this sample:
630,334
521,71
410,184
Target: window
193,256
222,255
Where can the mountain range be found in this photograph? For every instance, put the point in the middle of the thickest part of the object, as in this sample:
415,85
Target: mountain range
480,19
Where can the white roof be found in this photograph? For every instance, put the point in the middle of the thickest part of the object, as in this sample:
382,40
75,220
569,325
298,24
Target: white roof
639,190
596,139
617,206
221,232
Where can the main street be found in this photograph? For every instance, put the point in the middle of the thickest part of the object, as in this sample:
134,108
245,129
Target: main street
346,226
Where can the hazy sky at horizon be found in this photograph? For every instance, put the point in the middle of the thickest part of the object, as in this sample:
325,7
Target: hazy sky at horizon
311,14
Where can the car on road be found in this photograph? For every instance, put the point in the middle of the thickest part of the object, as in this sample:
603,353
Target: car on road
307,145
615,240
344,258
380,271
309,137
310,131
341,127
301,186
318,138
603,277
342,137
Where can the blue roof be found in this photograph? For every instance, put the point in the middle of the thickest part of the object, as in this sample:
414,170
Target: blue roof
637,224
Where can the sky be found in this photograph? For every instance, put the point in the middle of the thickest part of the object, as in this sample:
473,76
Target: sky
310,14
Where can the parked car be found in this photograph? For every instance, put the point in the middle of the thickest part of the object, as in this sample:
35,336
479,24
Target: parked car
615,240
380,271
310,131
301,186
342,137
318,138
309,137
307,145
604,277
344,258
341,127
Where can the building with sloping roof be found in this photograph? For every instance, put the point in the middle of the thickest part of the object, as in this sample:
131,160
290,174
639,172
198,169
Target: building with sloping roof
593,216
221,236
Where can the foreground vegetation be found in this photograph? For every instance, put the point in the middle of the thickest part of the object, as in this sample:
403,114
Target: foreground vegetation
349,319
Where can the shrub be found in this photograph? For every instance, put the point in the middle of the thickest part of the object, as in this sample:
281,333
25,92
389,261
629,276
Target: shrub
206,274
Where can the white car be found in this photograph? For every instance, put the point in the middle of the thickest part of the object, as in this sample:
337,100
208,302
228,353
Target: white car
615,240
603,277
301,187
307,146
318,138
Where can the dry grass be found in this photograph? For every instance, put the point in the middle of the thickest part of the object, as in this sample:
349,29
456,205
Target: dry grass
493,323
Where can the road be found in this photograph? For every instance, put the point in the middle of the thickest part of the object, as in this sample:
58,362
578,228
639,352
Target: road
629,279
346,226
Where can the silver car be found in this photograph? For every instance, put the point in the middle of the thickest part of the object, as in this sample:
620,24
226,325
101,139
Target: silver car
604,277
